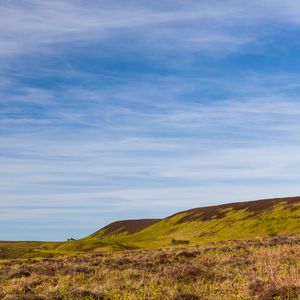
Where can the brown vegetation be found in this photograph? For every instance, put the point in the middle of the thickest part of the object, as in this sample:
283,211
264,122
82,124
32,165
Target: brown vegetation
254,269
219,211
130,226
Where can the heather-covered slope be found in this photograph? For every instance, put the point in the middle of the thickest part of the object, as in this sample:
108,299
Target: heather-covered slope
244,220
125,226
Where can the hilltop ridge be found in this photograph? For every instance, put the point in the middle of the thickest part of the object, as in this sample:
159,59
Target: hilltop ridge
129,226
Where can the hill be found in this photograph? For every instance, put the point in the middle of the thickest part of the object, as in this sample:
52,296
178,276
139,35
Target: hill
126,226
233,221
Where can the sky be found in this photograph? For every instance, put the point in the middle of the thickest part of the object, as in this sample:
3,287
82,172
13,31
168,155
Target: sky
116,110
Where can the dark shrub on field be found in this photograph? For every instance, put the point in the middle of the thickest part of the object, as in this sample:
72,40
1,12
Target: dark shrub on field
180,242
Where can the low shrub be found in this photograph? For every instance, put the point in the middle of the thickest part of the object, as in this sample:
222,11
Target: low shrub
180,242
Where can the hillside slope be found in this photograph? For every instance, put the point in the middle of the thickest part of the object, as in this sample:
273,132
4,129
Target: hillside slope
233,221
125,226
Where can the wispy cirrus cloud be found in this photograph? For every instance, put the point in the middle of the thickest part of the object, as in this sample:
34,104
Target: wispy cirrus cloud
220,25
187,155
30,26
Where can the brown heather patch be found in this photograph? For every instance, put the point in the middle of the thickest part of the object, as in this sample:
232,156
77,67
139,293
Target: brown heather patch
130,226
253,269
220,211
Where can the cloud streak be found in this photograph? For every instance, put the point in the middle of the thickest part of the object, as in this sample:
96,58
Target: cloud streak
196,25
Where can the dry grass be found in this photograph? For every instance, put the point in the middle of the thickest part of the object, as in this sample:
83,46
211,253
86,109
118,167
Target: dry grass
254,269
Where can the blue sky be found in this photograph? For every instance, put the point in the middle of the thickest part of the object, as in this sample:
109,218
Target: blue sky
114,110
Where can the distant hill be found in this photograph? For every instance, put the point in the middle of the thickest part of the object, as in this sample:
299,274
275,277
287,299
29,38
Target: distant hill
253,208
233,221
126,226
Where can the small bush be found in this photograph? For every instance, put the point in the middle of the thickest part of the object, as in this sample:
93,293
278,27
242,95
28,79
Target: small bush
272,234
180,242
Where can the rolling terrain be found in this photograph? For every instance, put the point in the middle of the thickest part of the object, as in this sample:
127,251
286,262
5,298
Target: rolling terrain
233,221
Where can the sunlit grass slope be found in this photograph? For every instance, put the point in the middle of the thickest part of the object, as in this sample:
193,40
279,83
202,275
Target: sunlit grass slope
245,220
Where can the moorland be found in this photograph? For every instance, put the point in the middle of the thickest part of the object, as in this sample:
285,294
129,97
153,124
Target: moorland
245,250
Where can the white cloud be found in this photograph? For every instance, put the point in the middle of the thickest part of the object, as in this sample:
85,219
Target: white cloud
40,26
90,168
